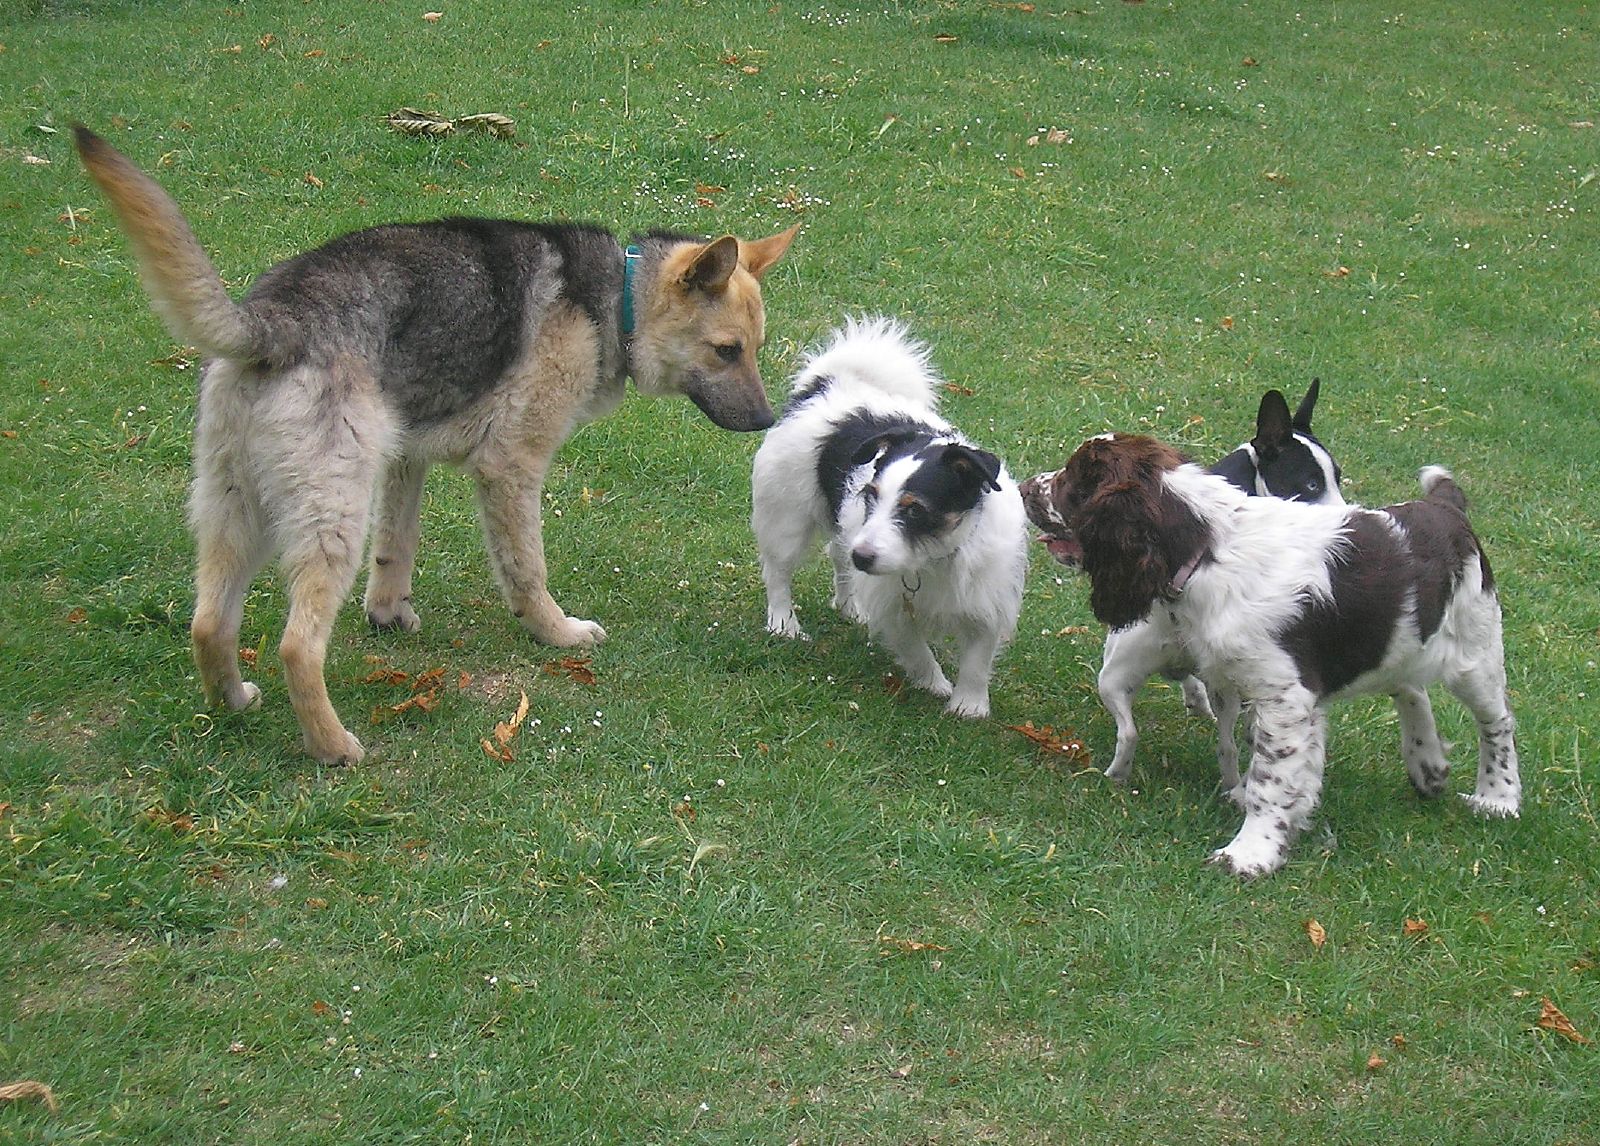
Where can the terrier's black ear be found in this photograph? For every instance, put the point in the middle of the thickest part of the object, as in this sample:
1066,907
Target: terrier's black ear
1273,427
1302,416
973,465
875,446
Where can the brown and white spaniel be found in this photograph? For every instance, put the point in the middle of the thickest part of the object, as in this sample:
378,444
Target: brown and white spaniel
1293,606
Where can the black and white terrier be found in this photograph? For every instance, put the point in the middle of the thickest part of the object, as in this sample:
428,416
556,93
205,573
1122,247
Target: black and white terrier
1285,460
926,530
1292,607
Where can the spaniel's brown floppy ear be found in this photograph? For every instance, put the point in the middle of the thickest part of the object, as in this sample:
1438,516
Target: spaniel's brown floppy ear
1123,553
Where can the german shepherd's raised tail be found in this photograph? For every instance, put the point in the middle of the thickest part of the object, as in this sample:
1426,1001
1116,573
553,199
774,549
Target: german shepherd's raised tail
345,372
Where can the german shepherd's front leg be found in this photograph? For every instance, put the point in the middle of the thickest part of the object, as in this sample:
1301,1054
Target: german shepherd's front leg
509,507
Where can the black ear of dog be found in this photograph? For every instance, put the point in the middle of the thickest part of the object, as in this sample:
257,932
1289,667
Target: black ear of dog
1302,416
973,465
875,446
1274,429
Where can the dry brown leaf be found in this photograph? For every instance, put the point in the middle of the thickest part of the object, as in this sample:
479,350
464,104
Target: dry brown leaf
1551,1019
78,616
166,818
1376,1061
1414,927
1316,933
1398,1041
1047,739
12,1091
901,1071
313,181
889,945
320,1008
497,125
957,388
575,668
432,17
383,674
1337,273
1226,322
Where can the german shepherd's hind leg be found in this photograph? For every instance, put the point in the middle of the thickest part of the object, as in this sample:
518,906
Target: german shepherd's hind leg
231,538
508,506
394,546
320,444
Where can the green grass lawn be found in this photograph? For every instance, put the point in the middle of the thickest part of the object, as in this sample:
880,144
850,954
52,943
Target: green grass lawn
735,889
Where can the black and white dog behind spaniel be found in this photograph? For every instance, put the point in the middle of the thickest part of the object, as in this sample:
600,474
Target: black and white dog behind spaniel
1284,459
1294,606
926,530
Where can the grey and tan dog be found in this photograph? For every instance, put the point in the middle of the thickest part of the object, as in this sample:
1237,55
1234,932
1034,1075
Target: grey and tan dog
345,372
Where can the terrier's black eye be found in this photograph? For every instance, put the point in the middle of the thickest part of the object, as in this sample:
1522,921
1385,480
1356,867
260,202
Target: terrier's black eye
869,494
730,351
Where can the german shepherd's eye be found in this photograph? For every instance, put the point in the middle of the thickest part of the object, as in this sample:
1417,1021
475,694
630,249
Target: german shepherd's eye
729,351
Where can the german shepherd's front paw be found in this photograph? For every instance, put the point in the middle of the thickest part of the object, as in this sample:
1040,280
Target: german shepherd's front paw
243,697
343,748
396,617
575,631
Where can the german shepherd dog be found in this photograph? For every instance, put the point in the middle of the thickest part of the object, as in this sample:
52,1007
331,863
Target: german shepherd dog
345,372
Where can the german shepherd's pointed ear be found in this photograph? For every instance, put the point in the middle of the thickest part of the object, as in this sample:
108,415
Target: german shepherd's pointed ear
1302,416
713,266
757,255
975,467
1273,427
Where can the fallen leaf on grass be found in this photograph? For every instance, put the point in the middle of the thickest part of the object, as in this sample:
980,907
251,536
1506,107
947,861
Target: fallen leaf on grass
957,388
13,1091
889,945
1376,1061
901,1071
313,181
945,38
1414,927
505,732
575,668
432,17
1337,273
166,818
1047,739
320,1008
1316,933
1551,1019
492,122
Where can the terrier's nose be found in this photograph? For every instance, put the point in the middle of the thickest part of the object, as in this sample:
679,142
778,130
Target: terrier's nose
863,561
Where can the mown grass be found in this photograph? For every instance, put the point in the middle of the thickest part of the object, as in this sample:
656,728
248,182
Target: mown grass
735,890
